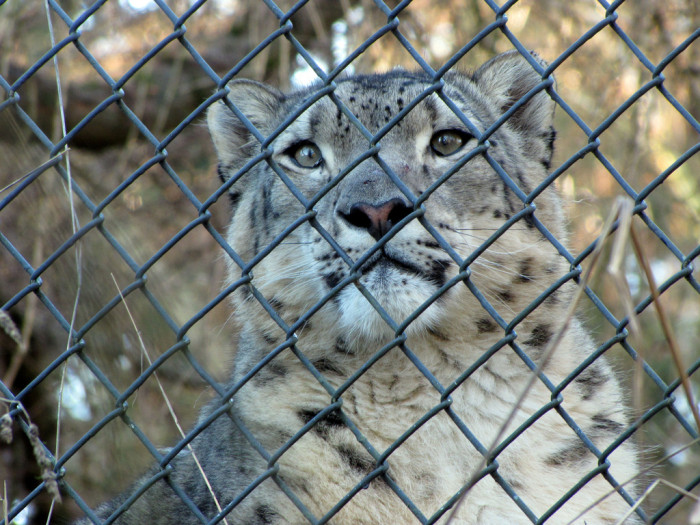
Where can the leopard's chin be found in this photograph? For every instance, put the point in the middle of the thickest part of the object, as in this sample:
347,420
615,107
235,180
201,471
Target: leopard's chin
399,292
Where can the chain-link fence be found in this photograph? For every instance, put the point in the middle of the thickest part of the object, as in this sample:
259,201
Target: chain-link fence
112,318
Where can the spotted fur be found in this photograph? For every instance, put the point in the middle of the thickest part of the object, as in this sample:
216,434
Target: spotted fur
452,333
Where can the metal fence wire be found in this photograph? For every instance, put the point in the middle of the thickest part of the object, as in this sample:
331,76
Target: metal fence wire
663,422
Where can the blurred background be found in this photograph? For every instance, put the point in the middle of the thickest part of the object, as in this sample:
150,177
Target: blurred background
83,282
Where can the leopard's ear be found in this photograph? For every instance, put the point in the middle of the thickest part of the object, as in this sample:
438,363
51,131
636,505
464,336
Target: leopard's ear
507,78
233,141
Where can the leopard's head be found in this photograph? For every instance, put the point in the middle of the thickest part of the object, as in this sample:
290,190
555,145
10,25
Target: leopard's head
336,201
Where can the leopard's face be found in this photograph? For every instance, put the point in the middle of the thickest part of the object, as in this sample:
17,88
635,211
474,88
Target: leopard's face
422,175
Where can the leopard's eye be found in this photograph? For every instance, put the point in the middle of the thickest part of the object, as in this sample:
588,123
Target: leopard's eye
306,154
449,141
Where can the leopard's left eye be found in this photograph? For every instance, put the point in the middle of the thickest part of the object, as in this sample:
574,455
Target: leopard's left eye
449,141
306,154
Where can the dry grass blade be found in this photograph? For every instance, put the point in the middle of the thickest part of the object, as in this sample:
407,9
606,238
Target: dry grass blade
167,401
625,206
649,490
666,327
639,474
39,169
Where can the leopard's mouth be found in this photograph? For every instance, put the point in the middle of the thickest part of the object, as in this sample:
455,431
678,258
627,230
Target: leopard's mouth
384,262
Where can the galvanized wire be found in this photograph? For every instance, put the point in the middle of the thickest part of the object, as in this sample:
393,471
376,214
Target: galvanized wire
54,151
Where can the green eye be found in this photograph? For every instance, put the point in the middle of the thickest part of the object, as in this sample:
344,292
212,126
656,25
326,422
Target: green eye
448,141
306,155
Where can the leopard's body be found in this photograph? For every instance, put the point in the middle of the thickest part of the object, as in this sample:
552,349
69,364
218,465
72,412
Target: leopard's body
451,334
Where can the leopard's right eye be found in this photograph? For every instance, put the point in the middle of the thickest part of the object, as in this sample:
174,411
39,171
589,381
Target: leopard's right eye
449,141
306,154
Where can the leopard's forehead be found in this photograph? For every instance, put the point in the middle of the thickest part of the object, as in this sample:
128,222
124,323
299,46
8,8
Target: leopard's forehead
400,101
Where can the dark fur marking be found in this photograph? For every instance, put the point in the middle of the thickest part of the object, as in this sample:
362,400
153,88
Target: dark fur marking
331,280
267,206
394,381
276,369
589,380
326,366
485,326
276,303
341,347
604,425
437,334
323,426
362,464
529,220
553,297
264,515
575,453
540,335
269,373
233,198
221,171
525,271
428,244
505,295
438,273
270,340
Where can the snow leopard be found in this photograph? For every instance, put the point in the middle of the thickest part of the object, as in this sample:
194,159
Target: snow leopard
390,270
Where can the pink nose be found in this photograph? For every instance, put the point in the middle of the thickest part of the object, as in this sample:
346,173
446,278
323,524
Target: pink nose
377,219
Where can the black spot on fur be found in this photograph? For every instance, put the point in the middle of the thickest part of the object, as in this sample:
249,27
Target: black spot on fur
540,336
437,273
525,270
604,425
342,347
270,340
589,380
326,366
485,326
505,295
437,334
264,515
233,198
323,426
276,303
327,256
529,220
575,453
428,244
331,279
361,463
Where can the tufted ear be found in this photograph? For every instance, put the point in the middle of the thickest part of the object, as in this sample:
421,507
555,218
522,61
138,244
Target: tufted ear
233,141
506,78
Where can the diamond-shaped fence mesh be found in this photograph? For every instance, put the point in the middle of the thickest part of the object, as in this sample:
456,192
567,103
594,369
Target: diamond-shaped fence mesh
112,316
